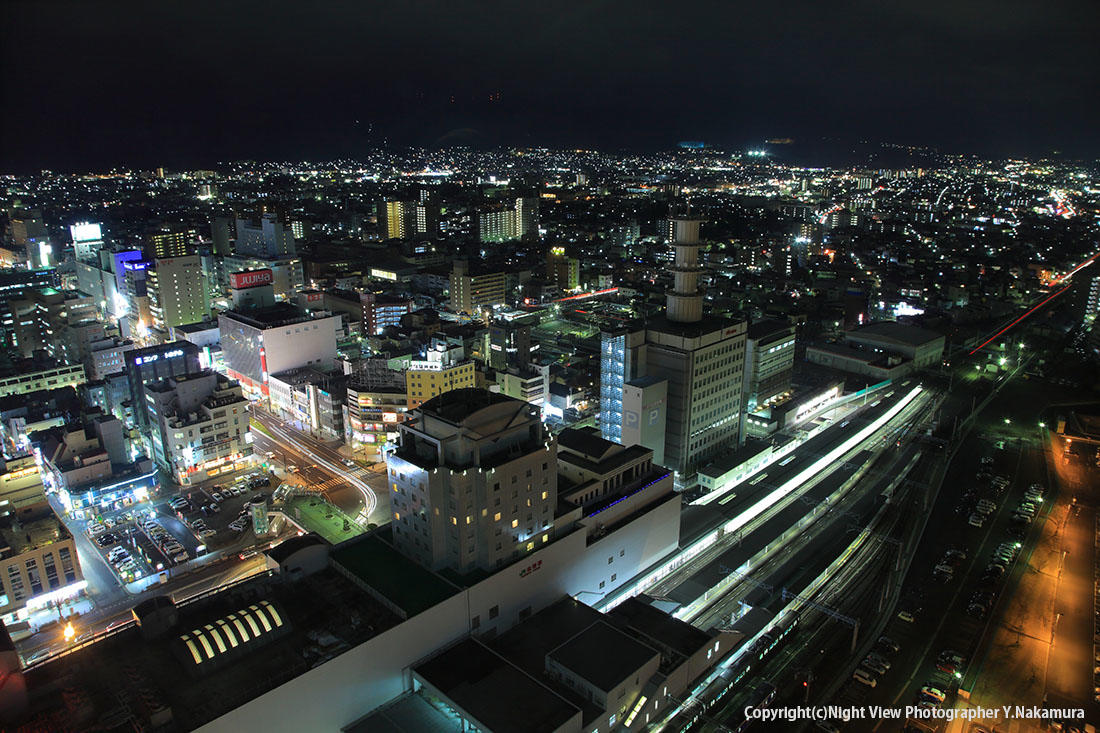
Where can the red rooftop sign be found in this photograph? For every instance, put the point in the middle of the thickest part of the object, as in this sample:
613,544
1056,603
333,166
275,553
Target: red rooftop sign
250,279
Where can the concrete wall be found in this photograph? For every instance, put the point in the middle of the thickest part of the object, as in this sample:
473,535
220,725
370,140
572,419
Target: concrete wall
348,687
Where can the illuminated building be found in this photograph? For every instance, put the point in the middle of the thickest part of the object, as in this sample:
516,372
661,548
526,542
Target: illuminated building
38,566
13,285
562,269
43,313
700,357
171,242
87,241
154,363
21,488
769,362
409,219
264,238
520,221
373,413
510,344
471,292
32,376
287,275
199,426
257,343
177,292
442,370
382,311
474,481
311,400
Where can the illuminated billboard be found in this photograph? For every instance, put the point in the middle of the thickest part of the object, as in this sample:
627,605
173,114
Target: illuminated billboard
250,279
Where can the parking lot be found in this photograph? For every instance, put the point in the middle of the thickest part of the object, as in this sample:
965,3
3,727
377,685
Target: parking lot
982,533
176,528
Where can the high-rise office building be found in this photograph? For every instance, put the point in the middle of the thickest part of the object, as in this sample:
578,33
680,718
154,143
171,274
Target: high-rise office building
31,238
769,361
171,242
510,345
40,316
13,285
474,481
177,292
701,358
266,237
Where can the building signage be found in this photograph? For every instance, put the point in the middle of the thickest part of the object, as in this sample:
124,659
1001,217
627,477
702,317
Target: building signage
250,279
153,357
530,569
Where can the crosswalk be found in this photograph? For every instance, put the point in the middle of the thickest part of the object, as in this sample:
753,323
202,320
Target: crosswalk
331,483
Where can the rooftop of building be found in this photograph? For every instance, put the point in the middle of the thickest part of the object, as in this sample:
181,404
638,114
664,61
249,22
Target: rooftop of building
899,333
658,628
128,677
18,536
14,366
768,327
495,692
708,324
43,403
375,562
602,655
272,316
308,375
457,405
198,327
850,351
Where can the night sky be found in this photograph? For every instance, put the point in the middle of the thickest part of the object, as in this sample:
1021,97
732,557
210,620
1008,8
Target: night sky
93,84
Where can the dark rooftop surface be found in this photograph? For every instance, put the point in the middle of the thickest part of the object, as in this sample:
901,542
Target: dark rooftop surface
768,327
603,655
397,578
898,332
458,404
407,714
497,693
273,316
123,680
661,629
587,443
709,324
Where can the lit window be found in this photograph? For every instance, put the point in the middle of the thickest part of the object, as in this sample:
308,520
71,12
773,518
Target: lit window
496,517
515,523
454,520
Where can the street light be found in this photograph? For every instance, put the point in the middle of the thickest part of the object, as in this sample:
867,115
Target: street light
1042,424
1007,421
70,632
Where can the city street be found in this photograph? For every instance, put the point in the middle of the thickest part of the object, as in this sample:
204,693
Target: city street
359,492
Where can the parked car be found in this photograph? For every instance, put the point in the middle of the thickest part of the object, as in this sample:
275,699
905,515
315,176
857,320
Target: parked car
864,677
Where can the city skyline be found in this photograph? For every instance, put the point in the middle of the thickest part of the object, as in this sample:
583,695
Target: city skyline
142,87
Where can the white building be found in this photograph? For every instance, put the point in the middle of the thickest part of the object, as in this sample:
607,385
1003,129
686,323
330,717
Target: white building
266,341
200,426
474,481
